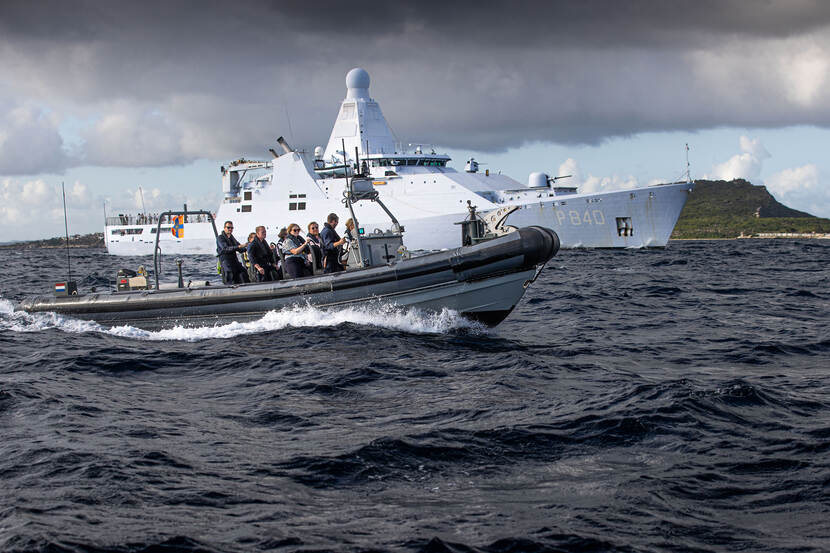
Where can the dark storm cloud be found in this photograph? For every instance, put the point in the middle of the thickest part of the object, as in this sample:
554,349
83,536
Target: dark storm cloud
169,82
606,22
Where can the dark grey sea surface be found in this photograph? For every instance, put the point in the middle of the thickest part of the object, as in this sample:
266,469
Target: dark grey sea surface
662,400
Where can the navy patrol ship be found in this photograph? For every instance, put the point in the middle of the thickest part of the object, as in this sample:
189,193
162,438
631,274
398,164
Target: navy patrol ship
418,184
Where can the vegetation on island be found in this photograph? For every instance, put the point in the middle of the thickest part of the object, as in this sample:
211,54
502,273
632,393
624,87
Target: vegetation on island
728,209
94,240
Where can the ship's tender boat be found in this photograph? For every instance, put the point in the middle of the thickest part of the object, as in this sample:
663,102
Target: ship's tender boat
482,281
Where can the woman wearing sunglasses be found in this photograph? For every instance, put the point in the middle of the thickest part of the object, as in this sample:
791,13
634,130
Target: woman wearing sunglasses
295,247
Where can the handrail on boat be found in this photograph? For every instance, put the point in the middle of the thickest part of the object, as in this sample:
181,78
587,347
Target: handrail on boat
161,218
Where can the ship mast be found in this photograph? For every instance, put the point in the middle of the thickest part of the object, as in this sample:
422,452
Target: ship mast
141,193
688,167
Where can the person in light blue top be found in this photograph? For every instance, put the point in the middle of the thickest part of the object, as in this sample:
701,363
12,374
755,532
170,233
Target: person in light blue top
295,249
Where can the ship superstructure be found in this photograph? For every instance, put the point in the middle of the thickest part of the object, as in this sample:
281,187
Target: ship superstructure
418,185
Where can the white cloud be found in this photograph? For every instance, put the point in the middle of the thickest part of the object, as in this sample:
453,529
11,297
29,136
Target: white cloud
746,165
603,184
593,183
804,74
30,142
78,194
789,181
801,188
570,167
34,208
155,200
132,136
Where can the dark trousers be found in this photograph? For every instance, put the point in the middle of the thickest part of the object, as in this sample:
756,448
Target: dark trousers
234,273
270,274
333,264
294,267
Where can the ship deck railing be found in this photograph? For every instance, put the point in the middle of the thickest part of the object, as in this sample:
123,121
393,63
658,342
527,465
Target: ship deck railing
148,219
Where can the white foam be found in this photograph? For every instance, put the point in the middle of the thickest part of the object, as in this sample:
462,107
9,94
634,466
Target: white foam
371,315
20,321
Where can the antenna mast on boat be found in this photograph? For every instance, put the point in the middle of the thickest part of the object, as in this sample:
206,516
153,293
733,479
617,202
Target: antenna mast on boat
66,227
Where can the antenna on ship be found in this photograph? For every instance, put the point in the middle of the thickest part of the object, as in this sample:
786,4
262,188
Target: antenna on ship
688,167
290,132
345,169
66,227
141,193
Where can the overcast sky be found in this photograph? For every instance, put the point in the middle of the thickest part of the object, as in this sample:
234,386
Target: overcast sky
107,96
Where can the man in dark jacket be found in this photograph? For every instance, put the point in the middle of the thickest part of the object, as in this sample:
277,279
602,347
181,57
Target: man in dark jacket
226,248
261,256
331,243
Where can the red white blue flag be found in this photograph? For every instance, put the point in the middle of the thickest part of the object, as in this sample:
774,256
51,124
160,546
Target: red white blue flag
178,226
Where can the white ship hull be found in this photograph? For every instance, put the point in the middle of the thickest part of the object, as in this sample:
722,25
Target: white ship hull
639,218
581,221
426,195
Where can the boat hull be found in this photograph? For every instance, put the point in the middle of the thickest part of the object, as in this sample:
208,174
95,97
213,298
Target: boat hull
641,218
482,282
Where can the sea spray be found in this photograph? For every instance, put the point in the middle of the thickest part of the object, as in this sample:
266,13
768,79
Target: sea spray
377,315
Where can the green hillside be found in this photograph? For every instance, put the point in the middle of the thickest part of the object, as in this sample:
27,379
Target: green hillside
94,240
721,209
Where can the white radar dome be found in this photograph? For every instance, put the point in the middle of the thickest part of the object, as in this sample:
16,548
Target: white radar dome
357,83
318,152
357,78
537,179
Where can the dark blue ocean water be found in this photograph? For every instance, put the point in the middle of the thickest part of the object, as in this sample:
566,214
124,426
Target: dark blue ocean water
667,400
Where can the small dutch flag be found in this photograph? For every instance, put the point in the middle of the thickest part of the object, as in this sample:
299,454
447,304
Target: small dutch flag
60,287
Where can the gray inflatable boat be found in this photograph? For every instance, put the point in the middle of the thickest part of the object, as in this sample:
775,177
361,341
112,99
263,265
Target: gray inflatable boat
482,281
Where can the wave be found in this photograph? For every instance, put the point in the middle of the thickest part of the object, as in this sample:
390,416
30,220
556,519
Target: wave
377,315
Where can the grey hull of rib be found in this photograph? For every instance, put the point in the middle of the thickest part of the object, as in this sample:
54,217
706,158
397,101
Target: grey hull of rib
487,279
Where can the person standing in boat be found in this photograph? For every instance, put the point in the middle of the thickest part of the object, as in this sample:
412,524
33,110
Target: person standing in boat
331,245
349,236
259,252
294,248
248,266
315,244
226,248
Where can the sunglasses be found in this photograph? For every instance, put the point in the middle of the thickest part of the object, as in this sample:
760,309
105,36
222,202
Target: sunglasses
294,230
